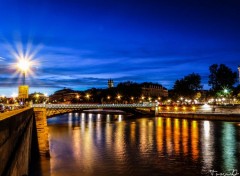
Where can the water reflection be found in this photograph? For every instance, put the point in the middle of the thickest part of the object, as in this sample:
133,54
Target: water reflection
97,144
159,134
195,140
176,136
229,146
185,139
207,146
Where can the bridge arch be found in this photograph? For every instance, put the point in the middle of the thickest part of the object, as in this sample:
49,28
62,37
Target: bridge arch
42,111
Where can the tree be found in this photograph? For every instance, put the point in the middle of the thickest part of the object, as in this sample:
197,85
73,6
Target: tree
128,89
188,86
236,92
221,77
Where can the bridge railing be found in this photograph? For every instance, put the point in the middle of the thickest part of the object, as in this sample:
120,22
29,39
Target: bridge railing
82,106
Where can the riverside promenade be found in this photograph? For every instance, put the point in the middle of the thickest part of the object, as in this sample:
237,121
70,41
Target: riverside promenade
202,116
206,112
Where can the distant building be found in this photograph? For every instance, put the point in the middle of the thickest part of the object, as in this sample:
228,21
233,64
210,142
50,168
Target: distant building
64,95
154,90
110,83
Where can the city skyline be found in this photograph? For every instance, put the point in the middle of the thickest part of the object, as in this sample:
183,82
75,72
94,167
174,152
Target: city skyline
82,44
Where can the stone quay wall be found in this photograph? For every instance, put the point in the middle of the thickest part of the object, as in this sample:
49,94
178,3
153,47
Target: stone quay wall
16,144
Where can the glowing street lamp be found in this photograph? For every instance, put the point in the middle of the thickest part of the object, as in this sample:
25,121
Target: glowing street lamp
225,91
119,97
24,66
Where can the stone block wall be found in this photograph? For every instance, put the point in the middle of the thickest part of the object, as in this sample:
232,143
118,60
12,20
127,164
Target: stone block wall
15,143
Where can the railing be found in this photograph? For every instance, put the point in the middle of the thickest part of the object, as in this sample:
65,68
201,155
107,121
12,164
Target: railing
90,106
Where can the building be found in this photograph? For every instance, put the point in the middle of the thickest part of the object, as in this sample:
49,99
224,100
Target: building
110,83
64,95
154,90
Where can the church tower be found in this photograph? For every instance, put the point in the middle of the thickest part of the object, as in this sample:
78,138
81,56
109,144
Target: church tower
110,83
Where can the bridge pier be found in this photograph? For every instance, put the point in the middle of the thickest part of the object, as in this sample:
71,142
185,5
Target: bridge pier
42,131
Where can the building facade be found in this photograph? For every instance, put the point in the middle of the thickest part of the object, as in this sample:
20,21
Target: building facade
154,90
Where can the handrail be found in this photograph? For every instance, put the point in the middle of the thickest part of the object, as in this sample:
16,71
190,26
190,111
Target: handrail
82,106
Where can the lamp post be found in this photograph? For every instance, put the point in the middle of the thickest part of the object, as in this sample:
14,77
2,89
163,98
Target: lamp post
24,66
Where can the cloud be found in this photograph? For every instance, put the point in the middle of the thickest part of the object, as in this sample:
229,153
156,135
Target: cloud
2,59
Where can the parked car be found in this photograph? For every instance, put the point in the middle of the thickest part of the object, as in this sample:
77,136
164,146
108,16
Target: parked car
2,108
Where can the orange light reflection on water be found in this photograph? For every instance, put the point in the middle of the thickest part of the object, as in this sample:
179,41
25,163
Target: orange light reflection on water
159,134
169,135
195,140
185,137
176,136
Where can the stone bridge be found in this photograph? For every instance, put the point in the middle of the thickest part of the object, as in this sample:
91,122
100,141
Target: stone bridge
42,111
56,109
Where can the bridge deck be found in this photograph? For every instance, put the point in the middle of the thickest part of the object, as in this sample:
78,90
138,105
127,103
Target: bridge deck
92,106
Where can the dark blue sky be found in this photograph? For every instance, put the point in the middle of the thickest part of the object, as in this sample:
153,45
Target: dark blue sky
80,44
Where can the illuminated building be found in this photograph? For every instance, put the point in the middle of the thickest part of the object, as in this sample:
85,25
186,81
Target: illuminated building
64,95
154,90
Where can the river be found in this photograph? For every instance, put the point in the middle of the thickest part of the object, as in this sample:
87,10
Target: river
84,144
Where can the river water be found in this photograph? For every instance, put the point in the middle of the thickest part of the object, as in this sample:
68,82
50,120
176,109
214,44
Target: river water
111,145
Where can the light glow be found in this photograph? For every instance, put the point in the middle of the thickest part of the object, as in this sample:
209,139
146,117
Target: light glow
24,65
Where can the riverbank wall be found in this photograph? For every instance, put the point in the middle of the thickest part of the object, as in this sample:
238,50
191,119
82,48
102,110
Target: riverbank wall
202,116
16,144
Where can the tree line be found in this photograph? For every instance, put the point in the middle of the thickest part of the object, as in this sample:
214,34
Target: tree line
221,79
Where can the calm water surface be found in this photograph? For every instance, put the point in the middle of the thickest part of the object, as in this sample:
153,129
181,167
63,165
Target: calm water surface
97,144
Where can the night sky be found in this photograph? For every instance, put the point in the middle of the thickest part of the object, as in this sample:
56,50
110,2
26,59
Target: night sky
80,44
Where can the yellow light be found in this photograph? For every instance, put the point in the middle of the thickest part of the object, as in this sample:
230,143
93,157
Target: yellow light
132,98
193,108
176,108
184,108
108,97
168,107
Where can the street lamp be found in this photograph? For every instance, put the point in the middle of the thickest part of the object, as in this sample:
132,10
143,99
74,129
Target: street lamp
87,96
119,97
24,66
225,91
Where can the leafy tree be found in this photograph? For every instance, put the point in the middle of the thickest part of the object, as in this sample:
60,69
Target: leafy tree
221,77
188,86
128,89
236,92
